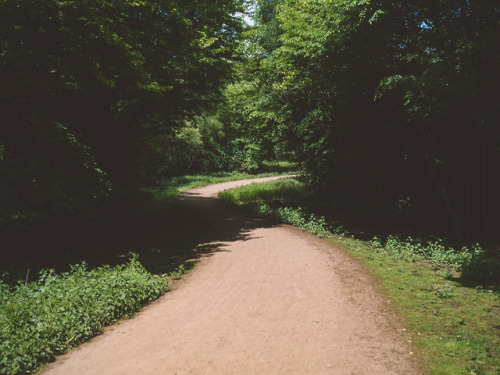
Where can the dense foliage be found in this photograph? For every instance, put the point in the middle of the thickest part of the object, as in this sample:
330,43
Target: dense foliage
392,106
42,319
93,94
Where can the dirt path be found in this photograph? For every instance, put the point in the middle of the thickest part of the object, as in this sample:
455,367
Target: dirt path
265,299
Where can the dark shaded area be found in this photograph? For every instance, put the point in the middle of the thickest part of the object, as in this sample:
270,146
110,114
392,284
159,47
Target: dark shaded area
92,97
189,228
366,226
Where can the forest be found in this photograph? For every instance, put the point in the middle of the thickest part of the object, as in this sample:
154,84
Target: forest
391,108
386,113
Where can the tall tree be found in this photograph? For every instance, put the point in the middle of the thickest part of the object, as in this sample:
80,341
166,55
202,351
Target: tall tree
86,84
394,104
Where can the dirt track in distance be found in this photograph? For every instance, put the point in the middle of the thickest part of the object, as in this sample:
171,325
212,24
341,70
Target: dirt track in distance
265,299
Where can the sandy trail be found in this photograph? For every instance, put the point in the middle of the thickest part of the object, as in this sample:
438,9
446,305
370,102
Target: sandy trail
265,299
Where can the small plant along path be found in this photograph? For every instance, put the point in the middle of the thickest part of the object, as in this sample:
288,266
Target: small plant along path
265,299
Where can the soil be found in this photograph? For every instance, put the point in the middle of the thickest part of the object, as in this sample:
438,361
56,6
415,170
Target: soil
263,299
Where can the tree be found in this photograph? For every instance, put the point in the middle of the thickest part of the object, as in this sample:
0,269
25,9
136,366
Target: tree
86,85
393,104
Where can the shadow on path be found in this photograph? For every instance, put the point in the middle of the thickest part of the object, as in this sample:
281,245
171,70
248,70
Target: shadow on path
194,226
191,227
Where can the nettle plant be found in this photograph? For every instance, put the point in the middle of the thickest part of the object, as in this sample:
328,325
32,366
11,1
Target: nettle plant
472,260
47,317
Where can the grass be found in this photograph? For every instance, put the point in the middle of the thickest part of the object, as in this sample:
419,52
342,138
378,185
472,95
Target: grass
44,318
455,327
170,188
448,297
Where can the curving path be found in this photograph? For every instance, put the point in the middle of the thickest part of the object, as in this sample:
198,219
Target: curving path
265,299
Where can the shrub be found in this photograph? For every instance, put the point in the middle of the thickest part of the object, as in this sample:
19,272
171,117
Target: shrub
48,317
471,261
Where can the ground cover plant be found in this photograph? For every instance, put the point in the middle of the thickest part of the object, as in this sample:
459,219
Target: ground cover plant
449,297
44,318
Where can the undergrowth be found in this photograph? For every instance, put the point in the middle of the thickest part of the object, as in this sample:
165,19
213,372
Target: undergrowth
448,296
42,319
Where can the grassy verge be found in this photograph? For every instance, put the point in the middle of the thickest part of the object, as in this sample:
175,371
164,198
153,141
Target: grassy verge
449,297
42,319
169,189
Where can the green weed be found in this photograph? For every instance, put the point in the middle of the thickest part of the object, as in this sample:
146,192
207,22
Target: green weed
182,269
42,319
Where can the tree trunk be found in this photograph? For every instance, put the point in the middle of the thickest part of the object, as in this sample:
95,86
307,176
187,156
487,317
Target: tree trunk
192,159
484,181
455,217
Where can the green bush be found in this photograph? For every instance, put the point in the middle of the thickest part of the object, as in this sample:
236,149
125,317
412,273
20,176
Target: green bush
471,261
479,267
47,317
